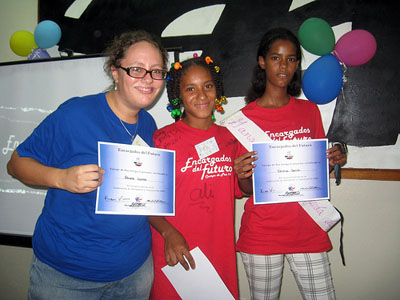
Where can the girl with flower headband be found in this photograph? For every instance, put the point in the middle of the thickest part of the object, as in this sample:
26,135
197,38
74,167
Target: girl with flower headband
206,184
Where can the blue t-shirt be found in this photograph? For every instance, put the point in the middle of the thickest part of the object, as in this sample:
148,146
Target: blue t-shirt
69,236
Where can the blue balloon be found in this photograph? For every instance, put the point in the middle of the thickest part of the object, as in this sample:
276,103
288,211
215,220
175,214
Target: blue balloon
38,54
47,34
323,80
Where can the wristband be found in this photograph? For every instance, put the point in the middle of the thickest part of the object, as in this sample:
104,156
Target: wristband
342,147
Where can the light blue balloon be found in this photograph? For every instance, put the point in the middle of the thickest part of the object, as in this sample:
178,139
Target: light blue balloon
47,34
323,80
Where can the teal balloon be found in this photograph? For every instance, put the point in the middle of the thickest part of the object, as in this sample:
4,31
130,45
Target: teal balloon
323,80
316,36
47,34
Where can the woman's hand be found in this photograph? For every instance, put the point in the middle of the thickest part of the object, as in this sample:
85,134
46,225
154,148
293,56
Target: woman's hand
81,179
77,179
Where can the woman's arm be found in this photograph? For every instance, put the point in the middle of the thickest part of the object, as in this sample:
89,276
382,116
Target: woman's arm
176,249
77,179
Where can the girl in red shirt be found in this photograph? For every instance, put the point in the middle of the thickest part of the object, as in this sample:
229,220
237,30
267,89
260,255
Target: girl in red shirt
206,185
271,232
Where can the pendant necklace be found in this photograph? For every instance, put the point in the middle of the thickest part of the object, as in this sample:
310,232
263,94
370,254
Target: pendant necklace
126,129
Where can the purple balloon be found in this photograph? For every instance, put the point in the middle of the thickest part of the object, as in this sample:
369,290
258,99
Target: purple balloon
38,53
323,79
355,48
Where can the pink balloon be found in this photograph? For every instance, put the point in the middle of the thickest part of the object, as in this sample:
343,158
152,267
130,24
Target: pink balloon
355,48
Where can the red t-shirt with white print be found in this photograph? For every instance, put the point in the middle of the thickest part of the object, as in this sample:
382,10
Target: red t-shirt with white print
205,192
284,227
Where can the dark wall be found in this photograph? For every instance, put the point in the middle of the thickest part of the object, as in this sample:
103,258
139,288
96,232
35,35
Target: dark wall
367,112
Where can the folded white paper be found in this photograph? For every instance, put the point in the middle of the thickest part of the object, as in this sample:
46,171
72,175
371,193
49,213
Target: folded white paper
201,283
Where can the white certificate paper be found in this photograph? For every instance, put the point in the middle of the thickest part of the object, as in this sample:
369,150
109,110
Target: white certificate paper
290,171
138,180
201,283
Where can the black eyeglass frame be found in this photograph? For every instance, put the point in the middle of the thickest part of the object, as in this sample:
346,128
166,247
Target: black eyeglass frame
128,71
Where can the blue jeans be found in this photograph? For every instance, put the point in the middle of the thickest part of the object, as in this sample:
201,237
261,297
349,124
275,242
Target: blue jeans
46,283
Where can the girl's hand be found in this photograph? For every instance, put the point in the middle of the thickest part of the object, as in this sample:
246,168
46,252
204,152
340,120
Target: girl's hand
244,165
336,157
177,250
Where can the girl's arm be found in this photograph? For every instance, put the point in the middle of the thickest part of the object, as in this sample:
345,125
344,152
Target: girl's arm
176,249
244,168
336,156
77,179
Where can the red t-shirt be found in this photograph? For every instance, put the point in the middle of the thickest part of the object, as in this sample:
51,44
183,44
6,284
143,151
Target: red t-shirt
204,208
284,227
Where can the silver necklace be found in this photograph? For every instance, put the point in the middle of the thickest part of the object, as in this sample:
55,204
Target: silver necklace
126,129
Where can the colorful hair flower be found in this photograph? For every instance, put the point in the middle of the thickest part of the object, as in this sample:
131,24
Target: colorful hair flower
169,78
177,66
218,104
209,60
217,69
169,107
175,113
175,101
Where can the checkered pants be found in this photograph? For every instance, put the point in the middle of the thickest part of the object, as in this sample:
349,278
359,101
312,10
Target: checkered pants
311,271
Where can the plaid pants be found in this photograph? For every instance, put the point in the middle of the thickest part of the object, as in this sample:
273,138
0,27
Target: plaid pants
311,271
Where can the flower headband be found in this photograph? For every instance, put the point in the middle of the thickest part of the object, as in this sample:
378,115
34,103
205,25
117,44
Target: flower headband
173,107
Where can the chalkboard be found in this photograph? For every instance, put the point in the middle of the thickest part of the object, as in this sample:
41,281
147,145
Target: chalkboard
367,111
33,89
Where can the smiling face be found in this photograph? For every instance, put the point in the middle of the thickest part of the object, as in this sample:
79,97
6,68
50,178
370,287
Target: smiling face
135,93
280,63
198,93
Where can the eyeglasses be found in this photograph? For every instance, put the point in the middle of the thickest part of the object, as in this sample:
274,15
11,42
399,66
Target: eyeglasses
138,72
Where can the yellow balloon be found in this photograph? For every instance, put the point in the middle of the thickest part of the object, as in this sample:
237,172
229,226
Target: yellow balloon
22,43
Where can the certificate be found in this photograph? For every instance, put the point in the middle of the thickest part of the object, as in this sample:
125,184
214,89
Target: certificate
138,180
289,171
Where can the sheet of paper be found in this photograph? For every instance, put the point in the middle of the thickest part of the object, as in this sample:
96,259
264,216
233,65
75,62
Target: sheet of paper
289,171
138,180
200,283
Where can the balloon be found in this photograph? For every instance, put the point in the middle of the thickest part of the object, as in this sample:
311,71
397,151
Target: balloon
323,79
38,53
22,43
316,36
355,48
47,34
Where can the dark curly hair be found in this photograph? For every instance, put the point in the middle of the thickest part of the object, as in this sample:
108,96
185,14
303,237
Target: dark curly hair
117,48
174,80
258,84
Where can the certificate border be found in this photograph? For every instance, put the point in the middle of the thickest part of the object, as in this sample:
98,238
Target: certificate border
135,212
325,176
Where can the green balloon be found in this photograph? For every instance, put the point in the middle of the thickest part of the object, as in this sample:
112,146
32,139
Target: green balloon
316,36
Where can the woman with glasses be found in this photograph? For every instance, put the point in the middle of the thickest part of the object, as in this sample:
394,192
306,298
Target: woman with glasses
79,254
